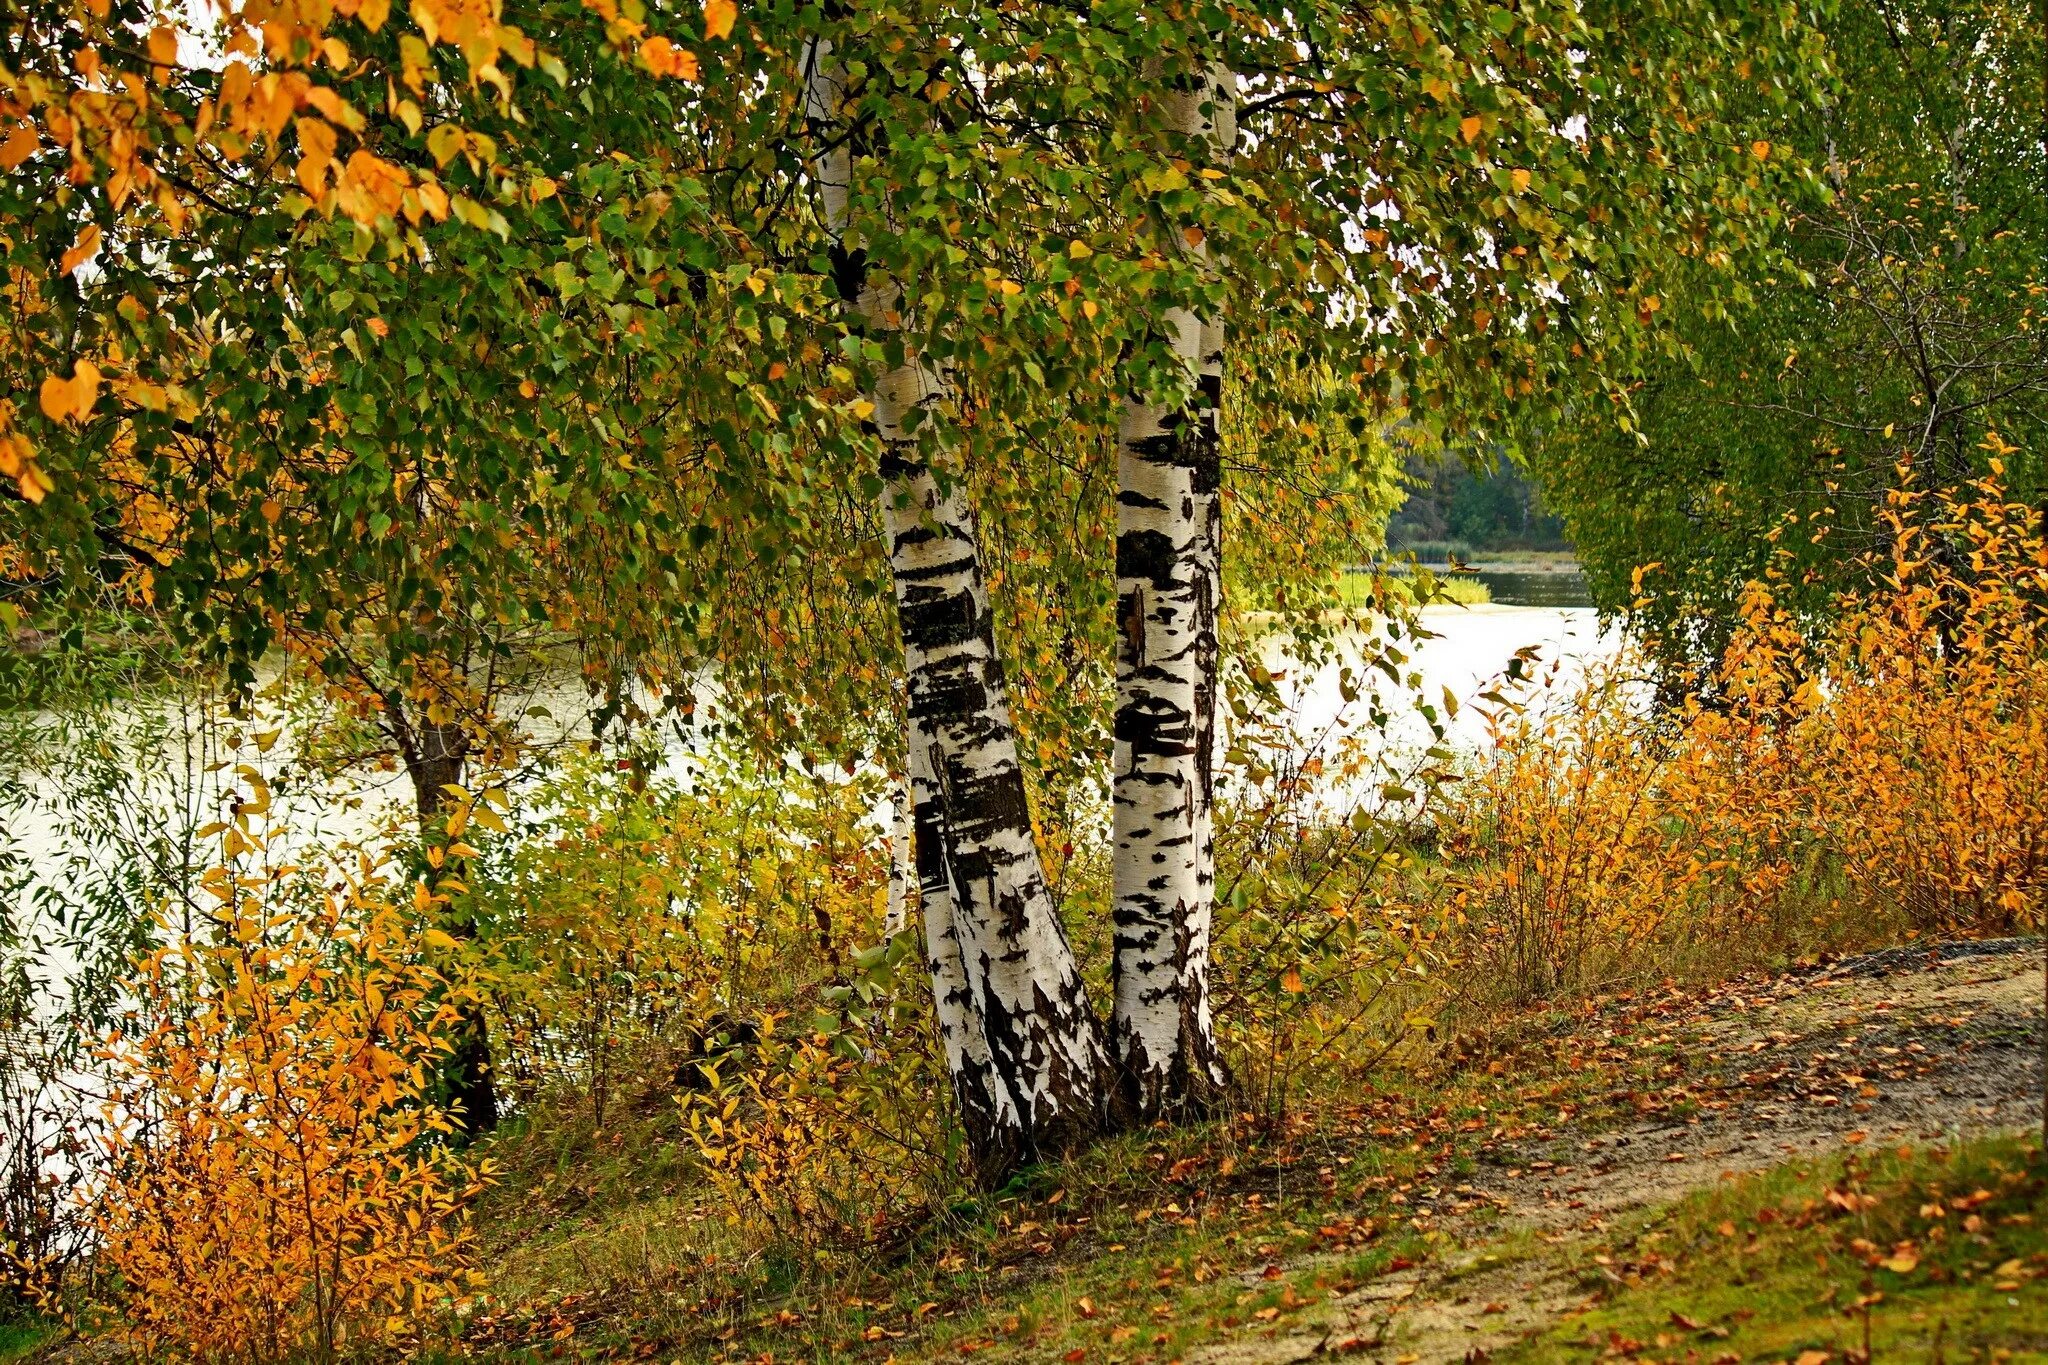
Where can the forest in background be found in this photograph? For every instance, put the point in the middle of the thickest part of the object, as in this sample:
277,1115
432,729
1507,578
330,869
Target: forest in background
1454,507
656,661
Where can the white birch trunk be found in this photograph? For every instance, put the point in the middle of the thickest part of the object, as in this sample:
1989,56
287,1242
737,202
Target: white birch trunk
1169,586
1024,1048
902,868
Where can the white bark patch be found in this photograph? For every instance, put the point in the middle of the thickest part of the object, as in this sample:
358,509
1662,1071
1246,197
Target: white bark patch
1169,586
902,870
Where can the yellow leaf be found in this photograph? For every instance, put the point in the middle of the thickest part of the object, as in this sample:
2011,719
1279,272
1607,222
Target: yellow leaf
718,18
1520,179
445,141
70,399
333,107
316,145
33,482
1079,250
87,243
163,45
21,144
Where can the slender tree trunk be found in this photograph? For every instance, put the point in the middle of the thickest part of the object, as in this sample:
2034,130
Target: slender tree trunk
435,754
1169,585
903,875
1024,1048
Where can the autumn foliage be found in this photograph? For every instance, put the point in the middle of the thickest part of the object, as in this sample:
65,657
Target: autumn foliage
1829,786
276,1177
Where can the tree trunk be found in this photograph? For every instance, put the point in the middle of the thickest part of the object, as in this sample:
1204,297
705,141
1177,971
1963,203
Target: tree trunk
1020,973
1024,1049
903,876
435,753
1169,585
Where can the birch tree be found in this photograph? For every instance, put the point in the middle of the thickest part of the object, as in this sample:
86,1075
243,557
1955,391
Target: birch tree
1021,1042
1169,572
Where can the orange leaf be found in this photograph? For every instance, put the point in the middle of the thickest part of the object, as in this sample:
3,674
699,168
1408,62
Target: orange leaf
718,18
85,388
55,397
34,484
81,250
21,144
1469,126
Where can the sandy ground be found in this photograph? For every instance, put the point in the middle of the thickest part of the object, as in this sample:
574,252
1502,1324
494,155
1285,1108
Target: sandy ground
1904,1046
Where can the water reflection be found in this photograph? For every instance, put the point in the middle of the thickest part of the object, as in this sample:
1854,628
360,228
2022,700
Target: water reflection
1536,587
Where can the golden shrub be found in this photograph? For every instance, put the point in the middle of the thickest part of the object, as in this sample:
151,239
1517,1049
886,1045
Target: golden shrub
1821,788
276,1181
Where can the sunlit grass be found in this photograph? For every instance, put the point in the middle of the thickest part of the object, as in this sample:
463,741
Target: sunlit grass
1944,1254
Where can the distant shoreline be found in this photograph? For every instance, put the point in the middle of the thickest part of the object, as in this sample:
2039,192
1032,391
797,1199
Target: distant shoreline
1504,561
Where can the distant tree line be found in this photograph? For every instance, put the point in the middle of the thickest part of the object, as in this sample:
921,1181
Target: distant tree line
1467,507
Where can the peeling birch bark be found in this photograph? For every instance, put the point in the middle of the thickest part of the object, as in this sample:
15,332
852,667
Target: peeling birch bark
1169,586
979,1100
1024,1049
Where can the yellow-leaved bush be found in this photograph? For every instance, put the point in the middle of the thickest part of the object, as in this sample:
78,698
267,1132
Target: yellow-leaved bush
1829,788
713,951
277,1178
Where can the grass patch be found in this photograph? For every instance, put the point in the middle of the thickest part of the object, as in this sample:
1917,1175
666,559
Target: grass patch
1908,1254
1355,589
19,1337
1143,1245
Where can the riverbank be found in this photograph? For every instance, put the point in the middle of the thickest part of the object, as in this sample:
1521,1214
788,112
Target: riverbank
1569,1179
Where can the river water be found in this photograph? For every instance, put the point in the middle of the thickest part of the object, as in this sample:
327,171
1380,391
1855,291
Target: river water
153,787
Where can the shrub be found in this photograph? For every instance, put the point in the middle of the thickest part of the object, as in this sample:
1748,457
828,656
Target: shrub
722,939
276,1181
831,1135
1329,933
1879,776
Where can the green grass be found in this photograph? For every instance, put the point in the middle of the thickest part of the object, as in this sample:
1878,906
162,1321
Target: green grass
1355,589
1935,1253
20,1336
1144,1236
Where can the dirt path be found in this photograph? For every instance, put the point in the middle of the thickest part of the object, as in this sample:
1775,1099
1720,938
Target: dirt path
1905,1046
